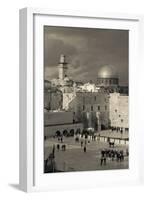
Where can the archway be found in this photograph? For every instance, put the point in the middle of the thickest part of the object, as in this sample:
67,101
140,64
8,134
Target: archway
58,133
71,133
78,131
103,127
65,132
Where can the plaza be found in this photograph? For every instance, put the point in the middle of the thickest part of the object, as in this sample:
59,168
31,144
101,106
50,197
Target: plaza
73,158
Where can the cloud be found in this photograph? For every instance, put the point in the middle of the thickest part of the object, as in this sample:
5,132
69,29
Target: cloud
86,50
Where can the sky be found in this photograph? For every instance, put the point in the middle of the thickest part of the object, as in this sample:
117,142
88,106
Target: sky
87,50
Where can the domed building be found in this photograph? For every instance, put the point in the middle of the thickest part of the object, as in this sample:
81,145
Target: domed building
108,78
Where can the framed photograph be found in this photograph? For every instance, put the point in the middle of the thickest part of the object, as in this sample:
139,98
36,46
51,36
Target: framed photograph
79,112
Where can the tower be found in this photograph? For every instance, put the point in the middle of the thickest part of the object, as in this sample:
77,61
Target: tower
62,67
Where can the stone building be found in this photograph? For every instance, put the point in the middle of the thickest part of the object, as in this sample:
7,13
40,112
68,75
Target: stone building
88,87
91,108
107,78
52,97
124,90
119,111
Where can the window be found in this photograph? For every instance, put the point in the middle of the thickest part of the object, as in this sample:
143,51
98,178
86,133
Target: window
95,98
83,107
105,107
98,108
91,108
122,120
115,110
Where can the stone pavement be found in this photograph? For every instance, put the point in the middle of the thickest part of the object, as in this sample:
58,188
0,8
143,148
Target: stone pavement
74,158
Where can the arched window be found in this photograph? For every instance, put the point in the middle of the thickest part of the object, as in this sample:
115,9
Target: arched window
91,108
58,133
71,132
78,131
83,107
65,132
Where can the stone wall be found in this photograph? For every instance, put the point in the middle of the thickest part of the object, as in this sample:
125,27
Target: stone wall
53,99
91,108
52,130
119,110
56,118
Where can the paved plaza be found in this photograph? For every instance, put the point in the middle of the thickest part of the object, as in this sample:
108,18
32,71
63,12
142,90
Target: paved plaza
75,159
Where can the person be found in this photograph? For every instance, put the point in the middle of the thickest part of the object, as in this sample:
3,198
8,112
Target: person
58,147
45,163
109,154
104,158
121,155
53,149
84,149
94,137
63,147
81,143
127,152
102,153
98,137
61,139
101,159
118,156
76,139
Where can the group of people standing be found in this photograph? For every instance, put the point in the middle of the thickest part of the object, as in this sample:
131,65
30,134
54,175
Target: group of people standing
117,155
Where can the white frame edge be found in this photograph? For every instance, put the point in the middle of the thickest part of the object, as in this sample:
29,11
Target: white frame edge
26,100
26,86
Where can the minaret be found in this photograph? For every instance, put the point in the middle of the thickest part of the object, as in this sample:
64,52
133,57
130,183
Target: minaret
74,88
62,67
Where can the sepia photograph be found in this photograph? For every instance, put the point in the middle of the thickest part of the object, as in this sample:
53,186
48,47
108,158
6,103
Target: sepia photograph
86,99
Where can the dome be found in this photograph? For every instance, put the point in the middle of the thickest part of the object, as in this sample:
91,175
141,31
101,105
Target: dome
107,71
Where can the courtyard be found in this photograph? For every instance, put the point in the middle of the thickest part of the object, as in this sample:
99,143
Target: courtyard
74,158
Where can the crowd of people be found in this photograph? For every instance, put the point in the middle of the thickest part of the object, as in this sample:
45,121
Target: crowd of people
112,154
